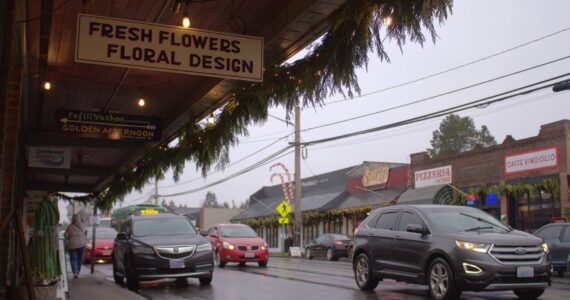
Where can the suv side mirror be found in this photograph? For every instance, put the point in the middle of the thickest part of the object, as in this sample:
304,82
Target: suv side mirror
121,236
417,228
213,235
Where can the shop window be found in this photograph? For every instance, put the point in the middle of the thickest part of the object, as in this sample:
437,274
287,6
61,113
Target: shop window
310,232
535,212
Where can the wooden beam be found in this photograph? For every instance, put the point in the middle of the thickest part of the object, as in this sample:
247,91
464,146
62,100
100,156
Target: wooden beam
58,187
62,140
98,172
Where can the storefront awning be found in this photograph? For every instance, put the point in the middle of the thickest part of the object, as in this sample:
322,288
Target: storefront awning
424,195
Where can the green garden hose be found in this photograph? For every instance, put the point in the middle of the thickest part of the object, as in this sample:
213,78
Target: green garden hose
44,244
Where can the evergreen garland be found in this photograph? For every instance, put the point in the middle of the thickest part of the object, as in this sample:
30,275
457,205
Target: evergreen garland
355,30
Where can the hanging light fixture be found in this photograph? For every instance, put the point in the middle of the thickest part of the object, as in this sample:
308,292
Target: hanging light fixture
387,21
141,102
186,17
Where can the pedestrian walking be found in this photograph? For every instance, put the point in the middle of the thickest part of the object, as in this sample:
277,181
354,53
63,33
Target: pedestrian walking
75,241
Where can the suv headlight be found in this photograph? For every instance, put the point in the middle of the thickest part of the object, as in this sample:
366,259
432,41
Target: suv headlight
204,247
142,250
477,247
227,245
545,247
263,246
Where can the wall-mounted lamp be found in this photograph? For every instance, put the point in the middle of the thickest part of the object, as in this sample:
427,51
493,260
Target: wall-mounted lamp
47,85
141,102
211,121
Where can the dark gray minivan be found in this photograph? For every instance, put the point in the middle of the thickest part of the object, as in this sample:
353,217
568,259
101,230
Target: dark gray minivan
451,249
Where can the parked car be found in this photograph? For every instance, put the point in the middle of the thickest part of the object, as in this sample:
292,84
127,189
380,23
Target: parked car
451,249
104,239
150,247
331,246
557,236
237,243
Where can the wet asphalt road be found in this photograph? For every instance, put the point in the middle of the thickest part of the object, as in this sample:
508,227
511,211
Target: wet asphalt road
296,278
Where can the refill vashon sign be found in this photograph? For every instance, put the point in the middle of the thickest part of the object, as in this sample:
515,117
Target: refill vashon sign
134,44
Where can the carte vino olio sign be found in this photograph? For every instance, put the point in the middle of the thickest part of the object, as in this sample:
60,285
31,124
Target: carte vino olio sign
134,44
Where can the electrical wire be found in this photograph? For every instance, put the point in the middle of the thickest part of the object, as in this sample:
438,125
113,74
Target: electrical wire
456,67
476,103
241,172
438,95
230,165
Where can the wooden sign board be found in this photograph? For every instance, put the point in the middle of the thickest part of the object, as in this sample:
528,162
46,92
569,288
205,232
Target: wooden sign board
109,125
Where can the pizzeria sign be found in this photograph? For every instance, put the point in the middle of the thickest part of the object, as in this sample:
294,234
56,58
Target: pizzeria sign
532,160
135,44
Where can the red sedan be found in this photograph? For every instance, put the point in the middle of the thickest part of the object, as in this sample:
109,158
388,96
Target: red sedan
237,243
104,239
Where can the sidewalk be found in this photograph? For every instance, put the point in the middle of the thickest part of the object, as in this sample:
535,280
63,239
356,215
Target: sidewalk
95,286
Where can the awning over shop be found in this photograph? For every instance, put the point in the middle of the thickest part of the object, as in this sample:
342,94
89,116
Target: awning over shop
427,195
367,198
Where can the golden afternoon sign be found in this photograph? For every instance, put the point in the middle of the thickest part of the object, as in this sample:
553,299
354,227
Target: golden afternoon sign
134,44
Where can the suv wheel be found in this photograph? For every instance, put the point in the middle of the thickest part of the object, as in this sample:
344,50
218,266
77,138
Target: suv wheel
118,279
308,253
219,261
529,294
132,280
206,280
365,280
330,255
262,264
441,281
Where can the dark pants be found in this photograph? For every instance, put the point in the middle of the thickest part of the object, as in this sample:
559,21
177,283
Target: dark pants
75,257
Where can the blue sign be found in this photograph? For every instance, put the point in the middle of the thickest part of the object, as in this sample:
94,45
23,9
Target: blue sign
470,202
491,198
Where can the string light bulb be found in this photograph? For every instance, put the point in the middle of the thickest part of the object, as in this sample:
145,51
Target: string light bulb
387,21
47,85
211,120
141,102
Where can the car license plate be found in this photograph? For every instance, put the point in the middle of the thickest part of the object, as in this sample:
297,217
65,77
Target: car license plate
176,264
106,253
249,255
524,272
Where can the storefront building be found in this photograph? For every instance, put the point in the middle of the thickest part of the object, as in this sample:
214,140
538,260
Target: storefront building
522,182
333,202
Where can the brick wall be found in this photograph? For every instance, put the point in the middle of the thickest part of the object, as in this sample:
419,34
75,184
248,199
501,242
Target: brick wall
487,165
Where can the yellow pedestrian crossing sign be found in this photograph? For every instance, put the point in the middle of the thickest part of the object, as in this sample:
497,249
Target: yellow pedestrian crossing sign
284,220
283,209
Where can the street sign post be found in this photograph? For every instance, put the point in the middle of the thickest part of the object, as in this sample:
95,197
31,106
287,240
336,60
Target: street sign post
284,220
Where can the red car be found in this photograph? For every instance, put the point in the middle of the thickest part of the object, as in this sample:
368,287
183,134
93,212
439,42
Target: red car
237,243
104,238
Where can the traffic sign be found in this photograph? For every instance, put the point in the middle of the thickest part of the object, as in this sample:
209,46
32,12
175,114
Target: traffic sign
284,220
283,208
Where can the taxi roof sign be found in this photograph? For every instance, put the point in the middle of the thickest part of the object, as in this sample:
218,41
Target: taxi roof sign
283,208
149,211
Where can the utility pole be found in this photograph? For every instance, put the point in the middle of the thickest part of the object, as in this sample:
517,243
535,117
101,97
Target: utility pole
155,196
297,225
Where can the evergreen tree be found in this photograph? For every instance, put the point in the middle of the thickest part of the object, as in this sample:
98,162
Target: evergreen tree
225,204
163,203
456,135
211,200
171,204
234,204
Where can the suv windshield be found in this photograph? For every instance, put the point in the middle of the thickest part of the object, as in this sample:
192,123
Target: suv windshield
151,227
459,220
238,232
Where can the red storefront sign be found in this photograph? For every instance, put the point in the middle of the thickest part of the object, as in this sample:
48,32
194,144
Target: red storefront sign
532,160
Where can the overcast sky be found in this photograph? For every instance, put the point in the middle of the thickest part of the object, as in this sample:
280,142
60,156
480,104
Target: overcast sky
475,30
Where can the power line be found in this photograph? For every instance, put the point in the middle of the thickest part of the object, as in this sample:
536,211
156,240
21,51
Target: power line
456,67
405,131
477,103
438,95
230,165
241,172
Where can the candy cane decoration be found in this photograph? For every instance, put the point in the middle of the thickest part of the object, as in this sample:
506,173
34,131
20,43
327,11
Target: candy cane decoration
289,183
285,195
